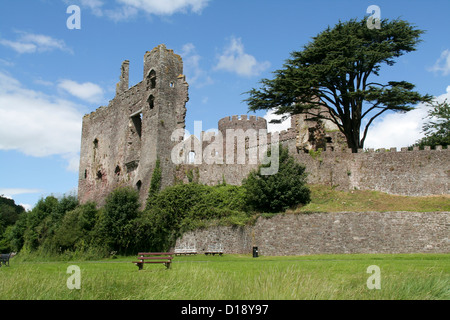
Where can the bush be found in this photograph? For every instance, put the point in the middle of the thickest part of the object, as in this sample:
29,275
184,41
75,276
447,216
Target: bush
114,230
278,192
184,207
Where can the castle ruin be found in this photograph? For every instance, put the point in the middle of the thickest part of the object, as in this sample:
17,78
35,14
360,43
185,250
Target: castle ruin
122,142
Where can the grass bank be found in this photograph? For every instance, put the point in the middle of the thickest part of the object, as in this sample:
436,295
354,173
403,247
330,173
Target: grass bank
328,199
231,277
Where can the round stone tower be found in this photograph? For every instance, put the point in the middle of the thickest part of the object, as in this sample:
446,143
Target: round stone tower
239,133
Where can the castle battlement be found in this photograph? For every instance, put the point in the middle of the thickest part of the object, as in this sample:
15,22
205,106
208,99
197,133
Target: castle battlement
122,142
243,122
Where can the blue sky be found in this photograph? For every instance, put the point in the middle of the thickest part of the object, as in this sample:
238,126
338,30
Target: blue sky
50,76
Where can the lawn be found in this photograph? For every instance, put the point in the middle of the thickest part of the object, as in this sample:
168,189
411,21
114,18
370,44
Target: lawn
233,277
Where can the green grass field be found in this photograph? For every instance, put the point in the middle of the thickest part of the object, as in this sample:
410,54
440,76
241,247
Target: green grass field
233,277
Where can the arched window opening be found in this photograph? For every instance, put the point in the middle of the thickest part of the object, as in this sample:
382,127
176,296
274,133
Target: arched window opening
151,80
139,185
151,101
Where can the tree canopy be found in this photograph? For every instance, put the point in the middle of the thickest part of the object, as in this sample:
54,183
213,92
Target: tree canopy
437,128
335,72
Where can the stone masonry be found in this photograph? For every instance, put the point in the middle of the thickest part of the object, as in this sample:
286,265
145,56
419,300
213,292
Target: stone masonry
121,143
331,233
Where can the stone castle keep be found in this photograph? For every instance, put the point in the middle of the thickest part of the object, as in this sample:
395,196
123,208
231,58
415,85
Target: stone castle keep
121,143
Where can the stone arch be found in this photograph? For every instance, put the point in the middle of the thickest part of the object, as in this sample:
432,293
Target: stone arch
151,79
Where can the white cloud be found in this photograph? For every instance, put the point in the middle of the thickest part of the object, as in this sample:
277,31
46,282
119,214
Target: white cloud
31,43
166,7
87,91
37,124
10,192
400,129
442,64
445,96
397,129
196,76
122,13
234,59
94,5
128,9
274,127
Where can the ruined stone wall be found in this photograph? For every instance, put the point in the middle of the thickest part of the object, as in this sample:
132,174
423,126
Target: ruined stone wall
121,142
413,173
332,233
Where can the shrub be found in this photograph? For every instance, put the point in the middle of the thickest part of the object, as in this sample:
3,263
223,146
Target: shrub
115,220
183,207
278,192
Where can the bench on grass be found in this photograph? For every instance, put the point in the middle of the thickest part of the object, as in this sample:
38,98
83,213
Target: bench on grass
154,257
214,249
186,249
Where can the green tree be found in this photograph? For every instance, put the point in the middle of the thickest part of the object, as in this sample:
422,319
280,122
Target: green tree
335,72
437,129
76,227
115,230
39,222
278,192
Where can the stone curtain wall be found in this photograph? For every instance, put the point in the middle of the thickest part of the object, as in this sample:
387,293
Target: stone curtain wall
332,233
412,173
121,143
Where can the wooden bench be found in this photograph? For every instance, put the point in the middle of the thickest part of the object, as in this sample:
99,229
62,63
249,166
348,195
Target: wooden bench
154,257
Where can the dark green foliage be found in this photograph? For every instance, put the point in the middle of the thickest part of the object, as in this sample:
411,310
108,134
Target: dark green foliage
182,207
115,222
9,211
335,71
437,129
63,228
76,228
278,192
155,183
9,215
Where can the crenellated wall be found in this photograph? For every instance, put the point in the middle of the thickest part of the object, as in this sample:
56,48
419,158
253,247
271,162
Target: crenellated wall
122,142
415,172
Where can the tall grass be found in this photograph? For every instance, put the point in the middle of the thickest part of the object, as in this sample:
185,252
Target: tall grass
234,277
